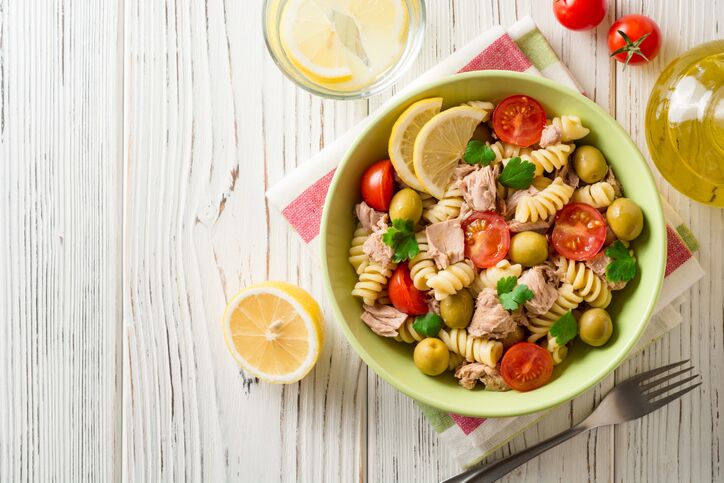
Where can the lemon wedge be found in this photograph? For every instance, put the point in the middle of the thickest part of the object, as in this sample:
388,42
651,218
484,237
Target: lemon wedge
275,331
312,43
402,138
440,145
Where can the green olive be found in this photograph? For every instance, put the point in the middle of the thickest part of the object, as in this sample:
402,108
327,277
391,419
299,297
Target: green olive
482,134
514,337
457,310
528,248
431,356
406,205
590,164
595,327
625,219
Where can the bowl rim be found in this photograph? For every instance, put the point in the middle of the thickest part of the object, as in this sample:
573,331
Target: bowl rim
430,399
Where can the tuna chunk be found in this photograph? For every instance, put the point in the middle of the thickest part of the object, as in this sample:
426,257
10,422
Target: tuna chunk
569,176
598,264
541,280
515,197
445,242
376,250
384,320
470,374
465,211
479,188
462,170
369,217
551,135
490,319
611,179
540,226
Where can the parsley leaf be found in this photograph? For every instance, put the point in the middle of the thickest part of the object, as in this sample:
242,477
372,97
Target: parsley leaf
517,297
476,152
564,329
401,237
507,284
517,174
428,325
623,266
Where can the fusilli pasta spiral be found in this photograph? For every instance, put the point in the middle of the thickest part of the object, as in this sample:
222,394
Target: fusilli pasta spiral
567,300
428,201
558,352
422,267
570,127
473,349
549,158
451,280
545,203
485,106
357,256
406,333
598,195
489,277
372,281
585,282
506,151
448,207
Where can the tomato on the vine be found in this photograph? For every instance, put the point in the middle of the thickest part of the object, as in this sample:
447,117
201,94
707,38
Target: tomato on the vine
377,185
526,366
519,120
403,294
487,238
579,14
634,39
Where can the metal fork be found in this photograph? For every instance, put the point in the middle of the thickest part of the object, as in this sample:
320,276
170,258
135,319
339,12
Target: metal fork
633,398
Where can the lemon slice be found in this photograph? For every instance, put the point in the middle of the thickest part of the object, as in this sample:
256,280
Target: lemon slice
275,331
402,138
440,145
312,43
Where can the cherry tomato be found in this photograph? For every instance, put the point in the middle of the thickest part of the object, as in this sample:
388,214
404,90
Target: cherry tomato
579,232
519,120
526,366
487,238
403,294
579,14
639,44
377,185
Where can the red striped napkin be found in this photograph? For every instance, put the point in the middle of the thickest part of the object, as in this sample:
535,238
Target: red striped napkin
522,48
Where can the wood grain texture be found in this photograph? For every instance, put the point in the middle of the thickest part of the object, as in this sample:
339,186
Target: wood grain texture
60,258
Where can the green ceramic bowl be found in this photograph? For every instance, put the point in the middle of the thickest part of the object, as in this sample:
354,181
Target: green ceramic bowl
585,366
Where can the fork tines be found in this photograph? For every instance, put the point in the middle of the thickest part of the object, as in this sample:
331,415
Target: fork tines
651,389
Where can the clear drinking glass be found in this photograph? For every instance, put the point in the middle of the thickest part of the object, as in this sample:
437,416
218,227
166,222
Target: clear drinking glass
272,18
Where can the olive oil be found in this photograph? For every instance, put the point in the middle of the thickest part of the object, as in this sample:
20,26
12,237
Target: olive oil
685,123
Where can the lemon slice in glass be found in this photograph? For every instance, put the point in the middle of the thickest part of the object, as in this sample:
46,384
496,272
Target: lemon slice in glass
402,138
275,331
440,145
312,43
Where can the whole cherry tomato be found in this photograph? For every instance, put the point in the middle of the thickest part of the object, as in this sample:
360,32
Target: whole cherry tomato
377,185
403,294
579,14
634,39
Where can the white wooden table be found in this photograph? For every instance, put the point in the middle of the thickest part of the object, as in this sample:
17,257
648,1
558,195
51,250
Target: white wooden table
137,139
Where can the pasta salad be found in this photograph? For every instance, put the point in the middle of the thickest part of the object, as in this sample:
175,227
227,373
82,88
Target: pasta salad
491,241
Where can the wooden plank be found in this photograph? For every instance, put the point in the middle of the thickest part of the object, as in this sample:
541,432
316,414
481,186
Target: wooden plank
210,124
682,442
60,183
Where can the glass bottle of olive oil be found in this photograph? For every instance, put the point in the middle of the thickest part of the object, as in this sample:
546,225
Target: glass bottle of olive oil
685,123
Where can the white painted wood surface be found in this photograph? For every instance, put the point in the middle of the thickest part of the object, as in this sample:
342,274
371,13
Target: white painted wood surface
137,139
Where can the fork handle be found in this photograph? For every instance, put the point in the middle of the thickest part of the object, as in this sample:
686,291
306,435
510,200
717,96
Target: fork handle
494,471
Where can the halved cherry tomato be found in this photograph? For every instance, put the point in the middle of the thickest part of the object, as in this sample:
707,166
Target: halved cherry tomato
579,14
526,366
519,120
403,294
487,238
377,185
579,232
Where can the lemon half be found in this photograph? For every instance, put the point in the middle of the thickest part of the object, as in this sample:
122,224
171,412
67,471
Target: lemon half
275,331
403,135
441,144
